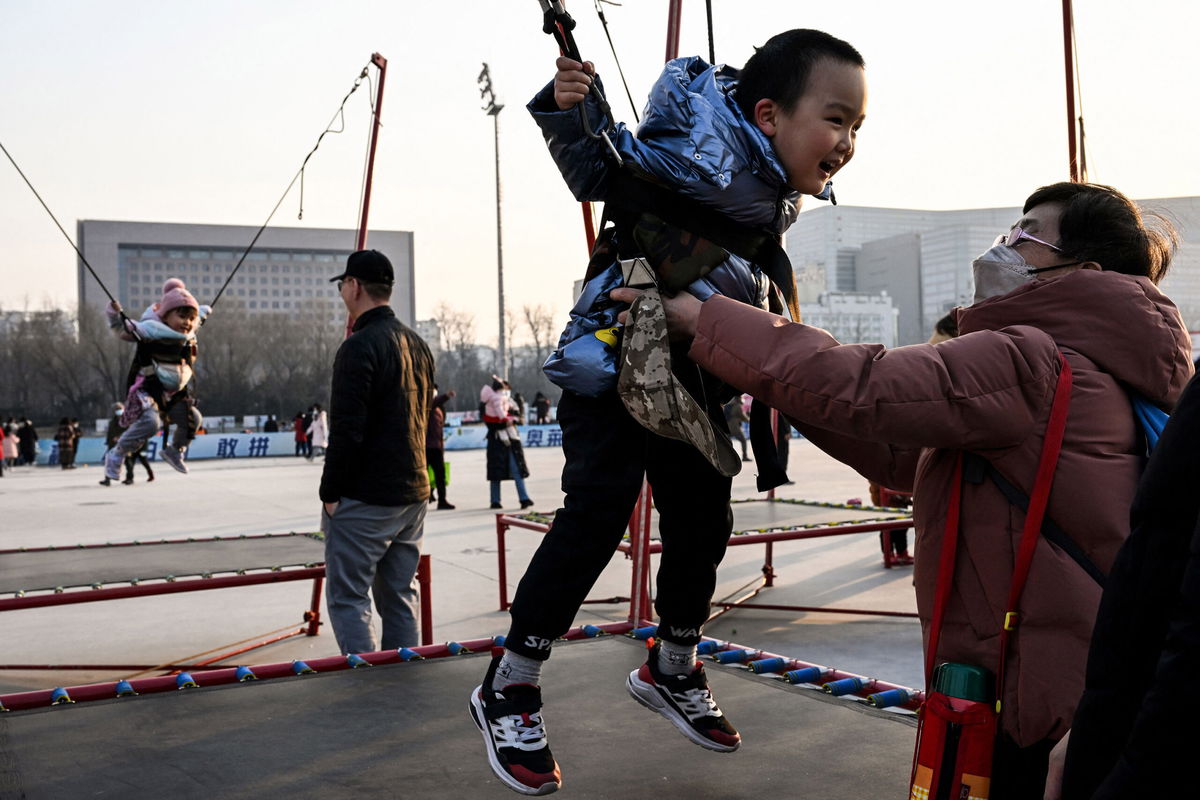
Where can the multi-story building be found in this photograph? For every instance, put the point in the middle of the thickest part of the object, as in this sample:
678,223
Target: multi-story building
288,270
922,259
853,316
1182,283
431,331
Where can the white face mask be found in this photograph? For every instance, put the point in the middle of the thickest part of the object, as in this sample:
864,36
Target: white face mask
999,271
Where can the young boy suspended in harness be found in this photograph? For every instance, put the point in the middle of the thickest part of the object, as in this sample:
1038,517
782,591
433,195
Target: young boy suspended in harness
697,202
159,379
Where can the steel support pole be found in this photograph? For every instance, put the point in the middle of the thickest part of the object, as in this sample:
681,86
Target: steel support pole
502,368
424,580
361,240
1069,56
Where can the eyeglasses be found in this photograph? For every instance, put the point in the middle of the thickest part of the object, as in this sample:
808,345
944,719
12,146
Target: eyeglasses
1016,235
340,283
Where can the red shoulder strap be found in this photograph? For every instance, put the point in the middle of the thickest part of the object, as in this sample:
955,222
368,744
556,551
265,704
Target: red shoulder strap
1039,497
945,578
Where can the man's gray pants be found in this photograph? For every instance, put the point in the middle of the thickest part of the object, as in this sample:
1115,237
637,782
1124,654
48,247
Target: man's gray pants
372,548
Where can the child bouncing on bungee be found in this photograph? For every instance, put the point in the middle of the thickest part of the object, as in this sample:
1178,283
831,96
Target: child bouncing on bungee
695,201
161,373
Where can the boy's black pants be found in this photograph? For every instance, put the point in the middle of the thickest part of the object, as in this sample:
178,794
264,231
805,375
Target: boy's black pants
607,453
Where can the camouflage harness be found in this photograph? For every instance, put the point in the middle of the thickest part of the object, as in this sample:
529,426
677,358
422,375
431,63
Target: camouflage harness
670,255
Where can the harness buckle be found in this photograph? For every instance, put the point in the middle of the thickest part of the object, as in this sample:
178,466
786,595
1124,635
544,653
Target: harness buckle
1010,621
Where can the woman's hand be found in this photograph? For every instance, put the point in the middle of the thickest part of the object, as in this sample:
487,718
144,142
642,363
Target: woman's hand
1054,775
683,312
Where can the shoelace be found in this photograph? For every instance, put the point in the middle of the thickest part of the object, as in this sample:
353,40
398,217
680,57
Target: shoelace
513,731
697,703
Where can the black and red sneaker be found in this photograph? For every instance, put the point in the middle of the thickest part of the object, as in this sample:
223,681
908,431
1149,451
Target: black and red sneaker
514,735
686,702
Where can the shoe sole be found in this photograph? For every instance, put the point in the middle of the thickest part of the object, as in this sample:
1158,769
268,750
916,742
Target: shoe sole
477,716
648,695
174,463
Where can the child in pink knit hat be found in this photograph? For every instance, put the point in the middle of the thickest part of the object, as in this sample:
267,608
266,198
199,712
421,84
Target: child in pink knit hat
159,379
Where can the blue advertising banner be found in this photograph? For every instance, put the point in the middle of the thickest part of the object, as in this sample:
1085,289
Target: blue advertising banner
210,445
473,437
261,445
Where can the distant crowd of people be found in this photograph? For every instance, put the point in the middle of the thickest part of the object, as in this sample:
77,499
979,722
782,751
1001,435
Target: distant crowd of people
18,443
310,428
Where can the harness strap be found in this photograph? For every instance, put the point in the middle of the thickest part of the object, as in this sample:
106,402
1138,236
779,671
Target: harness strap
638,196
771,472
976,464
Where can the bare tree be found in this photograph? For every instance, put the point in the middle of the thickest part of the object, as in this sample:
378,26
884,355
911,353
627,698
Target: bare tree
56,363
511,323
542,326
458,331
459,367
107,356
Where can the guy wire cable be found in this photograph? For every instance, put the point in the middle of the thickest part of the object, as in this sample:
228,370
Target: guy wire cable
299,176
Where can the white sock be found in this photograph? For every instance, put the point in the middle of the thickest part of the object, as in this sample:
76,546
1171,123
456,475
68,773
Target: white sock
676,659
515,668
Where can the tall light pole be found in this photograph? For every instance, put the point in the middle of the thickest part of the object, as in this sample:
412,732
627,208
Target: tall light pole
492,109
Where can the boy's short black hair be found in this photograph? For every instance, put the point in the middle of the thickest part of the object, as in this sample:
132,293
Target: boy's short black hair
779,69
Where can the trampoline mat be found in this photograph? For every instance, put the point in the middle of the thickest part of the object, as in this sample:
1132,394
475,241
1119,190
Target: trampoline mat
404,730
752,516
82,566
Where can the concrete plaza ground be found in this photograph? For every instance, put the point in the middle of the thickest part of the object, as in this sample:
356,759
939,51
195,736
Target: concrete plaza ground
48,506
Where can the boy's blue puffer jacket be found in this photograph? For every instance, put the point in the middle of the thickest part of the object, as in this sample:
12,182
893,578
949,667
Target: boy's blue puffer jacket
694,139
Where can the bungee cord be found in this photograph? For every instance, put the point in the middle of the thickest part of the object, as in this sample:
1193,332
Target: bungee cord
712,50
66,236
613,48
338,115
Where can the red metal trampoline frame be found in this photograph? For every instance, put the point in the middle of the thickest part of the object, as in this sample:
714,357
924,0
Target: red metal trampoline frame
311,621
42,698
639,547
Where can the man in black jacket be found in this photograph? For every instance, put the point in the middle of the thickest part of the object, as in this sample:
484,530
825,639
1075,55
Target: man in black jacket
374,487
1134,733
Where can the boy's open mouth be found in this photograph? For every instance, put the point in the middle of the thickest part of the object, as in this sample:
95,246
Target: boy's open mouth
826,166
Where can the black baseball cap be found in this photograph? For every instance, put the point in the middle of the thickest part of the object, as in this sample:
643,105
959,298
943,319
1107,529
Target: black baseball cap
369,266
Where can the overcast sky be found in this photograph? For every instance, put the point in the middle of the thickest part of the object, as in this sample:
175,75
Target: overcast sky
202,112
